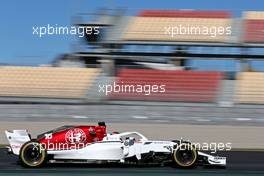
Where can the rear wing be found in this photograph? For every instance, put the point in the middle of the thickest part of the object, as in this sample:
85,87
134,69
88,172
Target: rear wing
16,139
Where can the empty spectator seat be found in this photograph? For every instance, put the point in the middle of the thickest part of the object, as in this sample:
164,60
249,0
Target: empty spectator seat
180,86
249,88
153,25
185,14
45,82
253,27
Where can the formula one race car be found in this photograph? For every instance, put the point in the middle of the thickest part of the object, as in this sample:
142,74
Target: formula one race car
91,144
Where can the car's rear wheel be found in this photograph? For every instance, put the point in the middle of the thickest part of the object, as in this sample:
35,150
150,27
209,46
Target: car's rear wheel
32,154
185,156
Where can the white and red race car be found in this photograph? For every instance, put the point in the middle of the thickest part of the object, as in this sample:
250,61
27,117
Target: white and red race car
91,144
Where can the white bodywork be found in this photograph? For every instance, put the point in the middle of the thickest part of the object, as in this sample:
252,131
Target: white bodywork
114,147
16,139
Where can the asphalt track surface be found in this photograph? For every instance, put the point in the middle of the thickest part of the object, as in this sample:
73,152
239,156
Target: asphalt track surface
242,126
155,113
238,163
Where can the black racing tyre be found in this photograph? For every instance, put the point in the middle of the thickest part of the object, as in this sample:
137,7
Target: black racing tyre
32,154
185,156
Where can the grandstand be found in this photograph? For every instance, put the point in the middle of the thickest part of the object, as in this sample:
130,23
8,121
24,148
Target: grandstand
146,29
150,25
181,86
46,82
250,86
253,27
140,65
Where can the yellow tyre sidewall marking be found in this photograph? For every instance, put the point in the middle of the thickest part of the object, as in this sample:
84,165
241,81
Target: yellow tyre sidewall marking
179,163
39,162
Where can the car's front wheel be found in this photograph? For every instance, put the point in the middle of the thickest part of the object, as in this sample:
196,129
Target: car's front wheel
32,154
185,156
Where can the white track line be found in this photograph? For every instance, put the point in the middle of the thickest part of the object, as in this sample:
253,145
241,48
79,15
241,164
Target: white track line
203,120
80,117
243,119
139,117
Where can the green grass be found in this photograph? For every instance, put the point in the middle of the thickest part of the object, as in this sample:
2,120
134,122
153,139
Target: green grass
3,145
